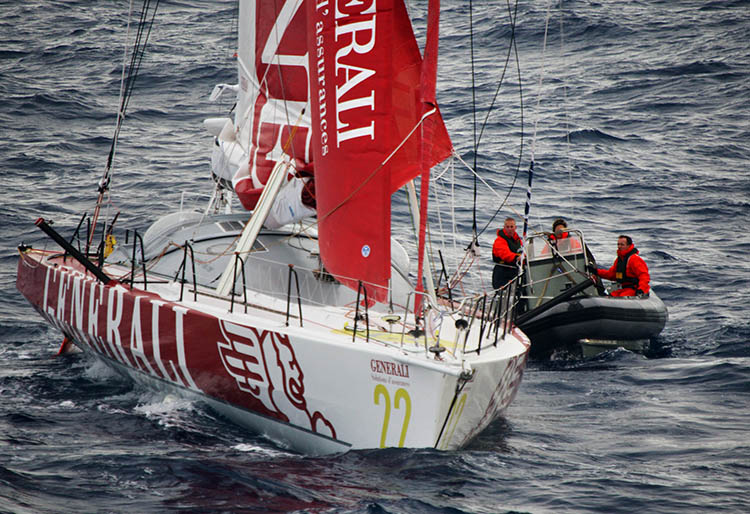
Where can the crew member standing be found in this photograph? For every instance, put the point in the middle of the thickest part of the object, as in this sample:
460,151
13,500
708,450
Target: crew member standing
629,270
505,254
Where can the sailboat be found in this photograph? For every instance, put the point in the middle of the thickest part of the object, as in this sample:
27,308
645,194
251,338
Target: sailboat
299,315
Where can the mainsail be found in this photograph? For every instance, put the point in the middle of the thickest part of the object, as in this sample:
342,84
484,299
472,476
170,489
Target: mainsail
365,71
271,113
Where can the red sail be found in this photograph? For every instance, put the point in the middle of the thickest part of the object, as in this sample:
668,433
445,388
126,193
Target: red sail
273,93
364,74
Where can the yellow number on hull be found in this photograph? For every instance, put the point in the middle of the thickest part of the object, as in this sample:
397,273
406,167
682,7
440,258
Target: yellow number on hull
453,422
401,394
380,390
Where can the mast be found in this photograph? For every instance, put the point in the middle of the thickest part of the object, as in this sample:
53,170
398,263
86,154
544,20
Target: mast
429,107
414,206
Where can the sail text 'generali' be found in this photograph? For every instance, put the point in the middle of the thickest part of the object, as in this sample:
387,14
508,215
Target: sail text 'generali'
353,40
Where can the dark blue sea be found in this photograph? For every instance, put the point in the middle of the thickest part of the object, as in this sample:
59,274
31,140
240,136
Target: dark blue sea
641,126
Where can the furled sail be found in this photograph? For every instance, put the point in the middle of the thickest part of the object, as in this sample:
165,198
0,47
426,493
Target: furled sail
272,117
365,71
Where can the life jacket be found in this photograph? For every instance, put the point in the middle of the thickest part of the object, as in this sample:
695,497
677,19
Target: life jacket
620,272
553,237
513,245
553,240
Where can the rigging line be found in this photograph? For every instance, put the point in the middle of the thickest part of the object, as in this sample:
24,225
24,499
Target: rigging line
104,181
446,168
473,112
453,212
231,44
539,86
492,190
527,207
122,77
565,114
436,202
139,49
378,167
513,17
461,382
124,100
520,151
124,89
135,59
532,150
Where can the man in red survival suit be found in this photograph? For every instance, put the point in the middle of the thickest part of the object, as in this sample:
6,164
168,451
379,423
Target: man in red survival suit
629,270
505,254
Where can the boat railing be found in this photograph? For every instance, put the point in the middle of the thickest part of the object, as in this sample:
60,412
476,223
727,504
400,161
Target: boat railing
443,274
490,314
241,261
406,314
77,232
485,317
76,237
292,271
197,199
505,301
361,290
137,241
183,266
70,249
540,245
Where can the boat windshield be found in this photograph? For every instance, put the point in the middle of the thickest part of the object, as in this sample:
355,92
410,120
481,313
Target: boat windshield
554,266
540,246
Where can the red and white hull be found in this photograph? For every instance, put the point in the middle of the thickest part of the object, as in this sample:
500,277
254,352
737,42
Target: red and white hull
311,388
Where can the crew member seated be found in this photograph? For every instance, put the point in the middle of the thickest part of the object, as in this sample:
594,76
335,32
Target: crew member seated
561,239
629,270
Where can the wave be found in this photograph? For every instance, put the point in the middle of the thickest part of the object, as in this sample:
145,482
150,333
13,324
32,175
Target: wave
593,136
722,5
682,70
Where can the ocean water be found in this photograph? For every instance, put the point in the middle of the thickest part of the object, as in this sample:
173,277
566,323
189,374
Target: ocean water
641,126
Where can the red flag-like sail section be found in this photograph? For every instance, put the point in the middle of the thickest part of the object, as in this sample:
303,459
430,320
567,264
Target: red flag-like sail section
365,71
271,110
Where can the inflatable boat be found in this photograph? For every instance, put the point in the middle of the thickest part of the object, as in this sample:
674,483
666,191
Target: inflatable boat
568,310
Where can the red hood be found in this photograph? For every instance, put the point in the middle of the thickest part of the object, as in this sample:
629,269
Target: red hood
623,253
